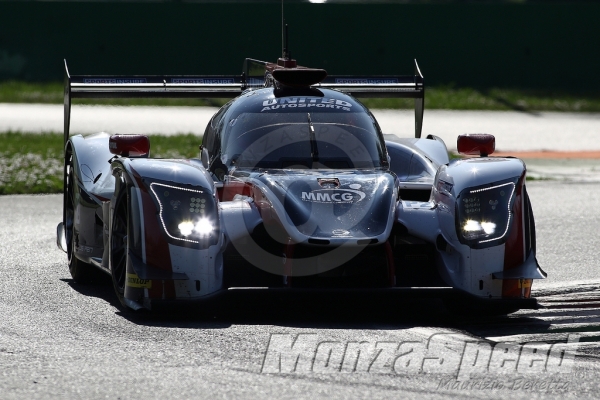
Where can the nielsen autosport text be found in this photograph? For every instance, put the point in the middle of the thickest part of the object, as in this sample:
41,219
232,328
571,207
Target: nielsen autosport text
295,189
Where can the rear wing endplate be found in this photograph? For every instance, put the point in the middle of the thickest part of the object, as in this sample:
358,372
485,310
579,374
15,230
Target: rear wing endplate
404,86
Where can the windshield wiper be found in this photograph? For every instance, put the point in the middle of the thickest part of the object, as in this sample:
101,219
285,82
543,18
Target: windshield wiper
314,151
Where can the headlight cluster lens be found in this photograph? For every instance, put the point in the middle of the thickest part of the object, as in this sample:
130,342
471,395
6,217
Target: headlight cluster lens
187,215
484,214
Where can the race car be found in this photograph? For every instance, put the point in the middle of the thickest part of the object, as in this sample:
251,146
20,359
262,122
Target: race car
295,188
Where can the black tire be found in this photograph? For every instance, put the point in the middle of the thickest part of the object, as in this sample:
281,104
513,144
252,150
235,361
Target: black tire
119,245
81,272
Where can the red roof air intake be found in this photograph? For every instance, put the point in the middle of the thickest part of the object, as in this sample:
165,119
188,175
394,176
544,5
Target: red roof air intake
476,144
129,145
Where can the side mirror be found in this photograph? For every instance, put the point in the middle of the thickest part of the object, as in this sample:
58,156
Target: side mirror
204,156
129,145
476,144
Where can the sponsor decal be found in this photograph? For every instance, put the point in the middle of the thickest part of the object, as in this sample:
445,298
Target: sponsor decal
305,102
460,358
366,81
524,283
134,281
203,81
336,196
115,81
84,249
340,233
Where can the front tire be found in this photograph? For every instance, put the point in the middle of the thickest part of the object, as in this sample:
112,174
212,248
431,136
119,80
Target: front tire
81,272
119,244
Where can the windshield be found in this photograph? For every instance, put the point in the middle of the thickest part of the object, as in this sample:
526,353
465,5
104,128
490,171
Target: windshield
336,140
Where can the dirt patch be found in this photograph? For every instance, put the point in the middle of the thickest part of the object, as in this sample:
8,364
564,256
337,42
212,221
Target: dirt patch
577,155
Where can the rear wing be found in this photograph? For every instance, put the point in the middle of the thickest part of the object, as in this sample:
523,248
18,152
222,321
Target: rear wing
230,86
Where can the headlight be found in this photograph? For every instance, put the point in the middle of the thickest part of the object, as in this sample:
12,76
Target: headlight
186,214
484,214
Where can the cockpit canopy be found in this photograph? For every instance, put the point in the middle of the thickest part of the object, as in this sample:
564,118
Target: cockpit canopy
319,130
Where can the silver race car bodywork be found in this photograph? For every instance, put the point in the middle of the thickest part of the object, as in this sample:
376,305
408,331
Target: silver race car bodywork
295,188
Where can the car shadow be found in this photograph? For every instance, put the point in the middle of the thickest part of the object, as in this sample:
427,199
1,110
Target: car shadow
101,289
291,312
315,311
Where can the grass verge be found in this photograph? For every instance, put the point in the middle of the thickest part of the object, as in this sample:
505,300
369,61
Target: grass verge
443,97
32,163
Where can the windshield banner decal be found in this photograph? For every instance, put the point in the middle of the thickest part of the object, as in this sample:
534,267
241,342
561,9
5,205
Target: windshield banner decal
305,102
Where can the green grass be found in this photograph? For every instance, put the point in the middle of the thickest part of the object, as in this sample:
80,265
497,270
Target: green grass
32,163
453,98
446,97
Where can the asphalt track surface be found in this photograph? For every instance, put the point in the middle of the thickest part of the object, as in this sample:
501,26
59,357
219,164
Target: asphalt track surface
60,339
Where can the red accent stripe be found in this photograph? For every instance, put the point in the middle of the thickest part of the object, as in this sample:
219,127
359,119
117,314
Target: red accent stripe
514,250
157,248
230,189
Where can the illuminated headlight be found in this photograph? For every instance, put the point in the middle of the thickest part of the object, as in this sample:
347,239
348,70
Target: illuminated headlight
186,228
484,214
473,229
186,214
202,227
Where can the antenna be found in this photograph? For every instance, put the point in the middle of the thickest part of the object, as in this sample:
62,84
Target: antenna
285,60
286,51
